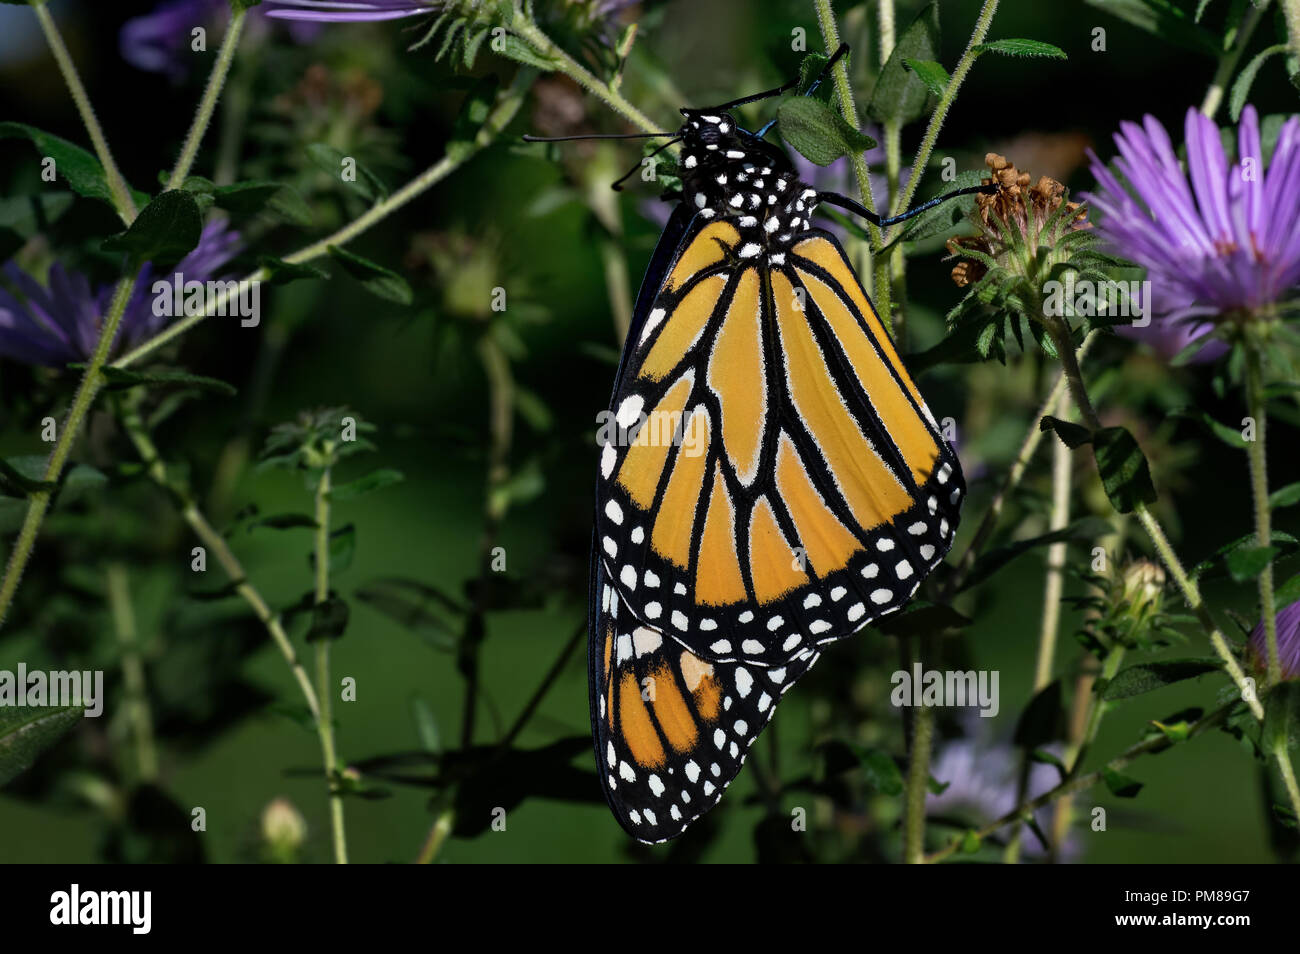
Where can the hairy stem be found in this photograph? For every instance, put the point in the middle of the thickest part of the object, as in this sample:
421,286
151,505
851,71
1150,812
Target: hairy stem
324,690
208,104
122,200
1229,59
918,770
849,110
1054,584
1069,786
982,24
506,108
1256,451
216,544
133,678
39,500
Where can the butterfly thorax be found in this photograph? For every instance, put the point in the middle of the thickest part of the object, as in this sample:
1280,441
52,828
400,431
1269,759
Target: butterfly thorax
730,174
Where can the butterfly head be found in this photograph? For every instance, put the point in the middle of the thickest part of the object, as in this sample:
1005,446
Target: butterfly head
730,173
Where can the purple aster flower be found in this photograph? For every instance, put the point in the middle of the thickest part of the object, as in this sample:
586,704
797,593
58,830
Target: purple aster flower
159,42
982,787
58,325
347,11
1218,239
1288,642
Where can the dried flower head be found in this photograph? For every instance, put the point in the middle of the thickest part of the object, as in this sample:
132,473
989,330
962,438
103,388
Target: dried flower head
1017,216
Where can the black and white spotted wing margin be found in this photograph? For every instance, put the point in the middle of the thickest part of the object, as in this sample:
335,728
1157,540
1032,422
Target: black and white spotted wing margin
671,730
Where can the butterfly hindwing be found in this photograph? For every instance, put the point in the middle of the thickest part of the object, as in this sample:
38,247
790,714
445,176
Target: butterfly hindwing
671,730
776,481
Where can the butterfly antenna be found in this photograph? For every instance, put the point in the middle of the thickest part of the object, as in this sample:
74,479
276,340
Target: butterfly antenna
844,202
618,183
528,138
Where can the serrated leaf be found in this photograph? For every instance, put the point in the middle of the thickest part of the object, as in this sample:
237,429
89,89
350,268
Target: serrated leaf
166,230
1022,47
376,480
818,132
900,94
379,281
27,731
1147,677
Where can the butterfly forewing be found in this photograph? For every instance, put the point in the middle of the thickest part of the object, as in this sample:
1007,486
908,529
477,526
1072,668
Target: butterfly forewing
775,480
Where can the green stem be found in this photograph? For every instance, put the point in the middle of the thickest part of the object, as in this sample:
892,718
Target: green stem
1054,584
117,186
215,543
438,834
1256,451
1229,59
922,160
1028,448
133,678
1069,786
208,104
324,692
571,68
849,110
39,501
501,115
918,772
1191,593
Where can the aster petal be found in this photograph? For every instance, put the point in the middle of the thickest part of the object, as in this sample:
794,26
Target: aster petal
1209,172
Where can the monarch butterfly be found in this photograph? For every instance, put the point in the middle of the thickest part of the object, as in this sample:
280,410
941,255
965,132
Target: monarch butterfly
775,481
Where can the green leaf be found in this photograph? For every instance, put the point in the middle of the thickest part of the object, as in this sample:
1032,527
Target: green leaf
1284,496
881,771
119,378
1123,468
1147,677
379,281
1288,592
1072,435
27,731
376,480
166,230
82,170
818,132
1248,562
1042,719
473,114
970,842
1121,786
335,163
810,69
343,545
284,521
1021,47
900,94
281,272
329,619
1246,78
1088,528
257,196
1281,717
932,74
1163,19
